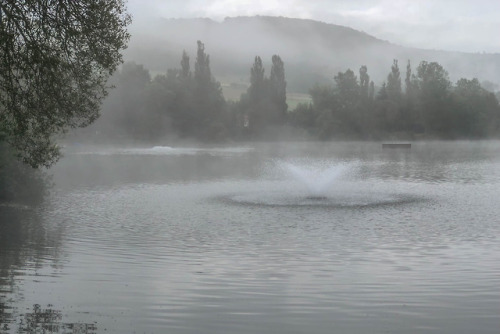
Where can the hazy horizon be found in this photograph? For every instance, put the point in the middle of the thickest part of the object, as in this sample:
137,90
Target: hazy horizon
462,26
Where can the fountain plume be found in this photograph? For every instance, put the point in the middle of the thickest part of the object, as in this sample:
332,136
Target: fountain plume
318,182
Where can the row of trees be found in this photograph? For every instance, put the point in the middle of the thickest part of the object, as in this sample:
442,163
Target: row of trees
264,103
191,105
429,105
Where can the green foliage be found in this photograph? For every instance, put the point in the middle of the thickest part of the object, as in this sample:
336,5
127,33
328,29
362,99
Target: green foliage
264,103
210,115
202,73
347,85
19,182
185,68
394,83
55,60
371,91
323,104
192,106
430,105
382,93
278,91
433,91
257,80
338,111
364,80
323,97
408,79
176,103
304,115
348,102
253,103
476,111
123,111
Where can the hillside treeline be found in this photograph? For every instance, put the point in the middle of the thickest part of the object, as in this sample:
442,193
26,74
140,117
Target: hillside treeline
187,102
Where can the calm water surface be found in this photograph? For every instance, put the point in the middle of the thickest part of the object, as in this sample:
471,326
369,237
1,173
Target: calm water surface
278,238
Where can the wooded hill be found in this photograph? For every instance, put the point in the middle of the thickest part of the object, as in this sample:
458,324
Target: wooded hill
313,51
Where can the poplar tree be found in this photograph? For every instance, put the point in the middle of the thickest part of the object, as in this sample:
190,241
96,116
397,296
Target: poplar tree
185,69
255,101
408,83
202,73
257,80
210,104
364,80
394,83
278,90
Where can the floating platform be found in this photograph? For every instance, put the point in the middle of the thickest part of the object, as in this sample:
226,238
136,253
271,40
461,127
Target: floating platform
405,146
317,198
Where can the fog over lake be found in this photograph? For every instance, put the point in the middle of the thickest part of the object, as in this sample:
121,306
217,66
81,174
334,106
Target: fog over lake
269,167
340,237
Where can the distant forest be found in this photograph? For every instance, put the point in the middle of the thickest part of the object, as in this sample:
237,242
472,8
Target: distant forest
187,102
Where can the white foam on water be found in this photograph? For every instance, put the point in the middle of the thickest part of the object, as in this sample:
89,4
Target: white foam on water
169,150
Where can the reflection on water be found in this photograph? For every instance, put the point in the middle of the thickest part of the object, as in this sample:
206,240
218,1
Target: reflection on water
218,240
26,247
47,321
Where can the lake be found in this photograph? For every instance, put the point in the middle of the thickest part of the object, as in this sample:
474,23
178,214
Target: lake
259,238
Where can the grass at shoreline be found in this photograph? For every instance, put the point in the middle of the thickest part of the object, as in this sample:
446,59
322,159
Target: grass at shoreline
232,92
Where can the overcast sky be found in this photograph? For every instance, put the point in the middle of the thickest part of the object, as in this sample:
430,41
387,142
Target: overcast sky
458,25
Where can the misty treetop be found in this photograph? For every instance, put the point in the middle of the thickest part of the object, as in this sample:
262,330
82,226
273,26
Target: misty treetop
429,107
55,60
187,104
264,103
